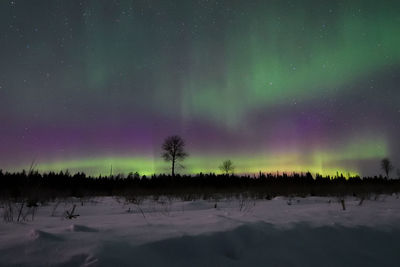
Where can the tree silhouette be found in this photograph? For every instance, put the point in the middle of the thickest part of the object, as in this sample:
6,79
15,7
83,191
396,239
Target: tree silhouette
386,166
174,152
227,166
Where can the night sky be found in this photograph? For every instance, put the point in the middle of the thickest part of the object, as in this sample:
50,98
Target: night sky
272,85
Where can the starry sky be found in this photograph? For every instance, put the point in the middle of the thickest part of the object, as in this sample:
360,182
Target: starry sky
307,85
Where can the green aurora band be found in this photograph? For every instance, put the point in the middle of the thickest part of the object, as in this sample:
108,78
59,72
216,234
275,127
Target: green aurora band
321,162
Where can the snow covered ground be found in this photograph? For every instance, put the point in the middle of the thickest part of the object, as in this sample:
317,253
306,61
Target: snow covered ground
311,231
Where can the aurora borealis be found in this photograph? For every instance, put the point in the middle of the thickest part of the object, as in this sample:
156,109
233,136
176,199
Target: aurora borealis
272,85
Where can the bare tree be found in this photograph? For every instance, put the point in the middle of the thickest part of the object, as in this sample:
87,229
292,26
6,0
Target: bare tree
227,167
174,152
386,166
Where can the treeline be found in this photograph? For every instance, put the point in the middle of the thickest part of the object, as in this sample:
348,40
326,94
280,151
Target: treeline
35,185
